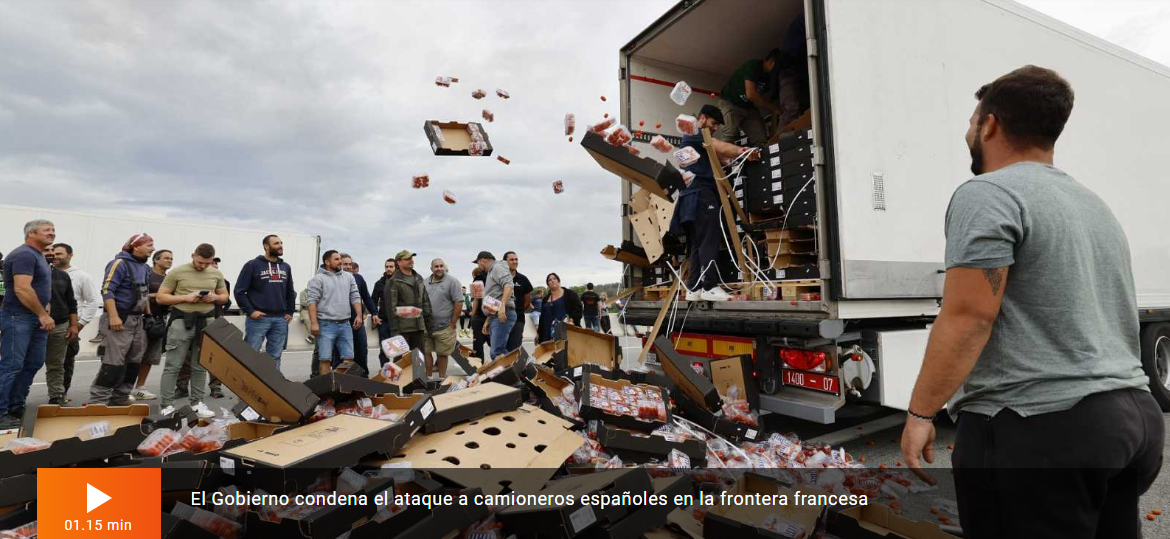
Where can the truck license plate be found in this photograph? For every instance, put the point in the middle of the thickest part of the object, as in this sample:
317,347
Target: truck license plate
819,382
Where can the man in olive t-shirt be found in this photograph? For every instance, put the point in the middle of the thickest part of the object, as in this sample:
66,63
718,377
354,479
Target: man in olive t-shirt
192,290
742,98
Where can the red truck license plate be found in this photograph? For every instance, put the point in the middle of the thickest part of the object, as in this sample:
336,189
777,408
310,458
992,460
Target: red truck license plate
819,382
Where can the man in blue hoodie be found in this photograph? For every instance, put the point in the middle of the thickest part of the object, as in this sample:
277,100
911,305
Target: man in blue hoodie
265,293
126,296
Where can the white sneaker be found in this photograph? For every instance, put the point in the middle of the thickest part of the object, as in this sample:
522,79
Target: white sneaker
132,398
143,395
715,294
695,295
203,411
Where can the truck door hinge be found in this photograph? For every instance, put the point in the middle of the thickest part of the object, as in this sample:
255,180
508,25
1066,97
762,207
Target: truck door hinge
812,47
818,153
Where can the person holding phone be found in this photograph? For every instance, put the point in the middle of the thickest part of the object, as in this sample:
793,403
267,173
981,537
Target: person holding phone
195,291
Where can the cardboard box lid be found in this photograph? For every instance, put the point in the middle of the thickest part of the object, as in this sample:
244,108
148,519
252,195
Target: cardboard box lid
677,367
545,352
472,403
804,515
735,371
288,448
340,384
51,422
492,450
253,376
583,346
877,521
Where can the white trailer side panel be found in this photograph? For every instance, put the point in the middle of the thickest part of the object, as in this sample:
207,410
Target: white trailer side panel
902,78
97,238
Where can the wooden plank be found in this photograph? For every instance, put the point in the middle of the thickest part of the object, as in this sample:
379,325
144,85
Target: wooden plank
661,316
625,294
725,193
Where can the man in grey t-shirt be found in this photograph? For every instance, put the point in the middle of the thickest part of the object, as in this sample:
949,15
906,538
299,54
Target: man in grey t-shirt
1038,336
498,284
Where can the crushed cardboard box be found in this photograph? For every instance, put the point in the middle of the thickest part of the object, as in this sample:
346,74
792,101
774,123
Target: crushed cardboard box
253,376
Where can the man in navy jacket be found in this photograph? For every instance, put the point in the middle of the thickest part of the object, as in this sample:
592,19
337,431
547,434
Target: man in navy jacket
264,291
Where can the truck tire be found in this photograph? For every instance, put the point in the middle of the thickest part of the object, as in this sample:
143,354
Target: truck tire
1156,361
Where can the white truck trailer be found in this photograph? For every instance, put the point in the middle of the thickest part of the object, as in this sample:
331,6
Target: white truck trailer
891,86
97,238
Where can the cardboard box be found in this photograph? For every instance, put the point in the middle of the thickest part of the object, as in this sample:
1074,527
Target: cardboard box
520,449
735,371
545,352
690,383
793,241
17,489
657,178
583,346
589,411
447,520
795,139
253,376
341,386
627,254
403,520
876,521
642,448
647,517
732,430
413,412
650,217
328,522
544,384
129,425
568,521
179,478
455,139
460,358
472,403
238,434
742,521
174,527
513,363
292,459
414,373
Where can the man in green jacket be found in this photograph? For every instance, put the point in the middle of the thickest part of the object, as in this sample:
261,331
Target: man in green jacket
407,289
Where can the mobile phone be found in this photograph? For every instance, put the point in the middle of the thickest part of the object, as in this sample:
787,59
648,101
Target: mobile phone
204,292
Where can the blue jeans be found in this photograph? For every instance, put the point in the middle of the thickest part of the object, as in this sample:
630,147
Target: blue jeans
334,333
593,322
383,334
361,347
267,334
499,333
22,354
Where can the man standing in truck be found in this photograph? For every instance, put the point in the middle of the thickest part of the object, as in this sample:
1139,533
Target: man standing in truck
742,98
1036,346
697,212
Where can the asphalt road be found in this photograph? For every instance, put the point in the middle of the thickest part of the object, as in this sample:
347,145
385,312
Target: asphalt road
869,432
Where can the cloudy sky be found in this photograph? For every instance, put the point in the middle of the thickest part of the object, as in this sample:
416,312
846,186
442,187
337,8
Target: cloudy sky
307,116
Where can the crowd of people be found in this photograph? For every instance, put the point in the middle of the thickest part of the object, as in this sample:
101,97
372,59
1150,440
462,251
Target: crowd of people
150,311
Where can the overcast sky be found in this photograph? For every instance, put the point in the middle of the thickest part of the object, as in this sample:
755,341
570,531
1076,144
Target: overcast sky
307,116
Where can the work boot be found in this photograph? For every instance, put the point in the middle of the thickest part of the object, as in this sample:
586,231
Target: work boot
10,422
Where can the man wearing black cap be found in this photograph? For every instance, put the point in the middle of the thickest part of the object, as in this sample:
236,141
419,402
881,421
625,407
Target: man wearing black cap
406,289
498,285
697,212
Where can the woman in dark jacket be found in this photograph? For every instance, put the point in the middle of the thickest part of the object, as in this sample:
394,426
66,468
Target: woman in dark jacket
559,303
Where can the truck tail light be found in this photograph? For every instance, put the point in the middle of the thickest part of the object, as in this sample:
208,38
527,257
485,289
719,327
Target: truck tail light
804,360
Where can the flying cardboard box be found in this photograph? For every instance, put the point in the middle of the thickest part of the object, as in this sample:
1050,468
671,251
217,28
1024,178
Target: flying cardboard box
452,138
628,253
253,375
658,178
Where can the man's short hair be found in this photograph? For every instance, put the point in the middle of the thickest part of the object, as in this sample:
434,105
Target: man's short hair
391,260
33,225
268,237
346,255
327,255
354,264
205,250
589,286
68,248
774,56
1031,103
509,253
158,254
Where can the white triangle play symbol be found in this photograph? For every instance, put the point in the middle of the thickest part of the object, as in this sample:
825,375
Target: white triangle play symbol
94,497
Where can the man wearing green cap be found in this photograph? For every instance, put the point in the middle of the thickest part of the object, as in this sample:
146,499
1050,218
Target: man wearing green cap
404,290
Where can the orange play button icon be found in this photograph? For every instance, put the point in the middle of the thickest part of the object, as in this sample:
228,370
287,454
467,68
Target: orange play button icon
99,502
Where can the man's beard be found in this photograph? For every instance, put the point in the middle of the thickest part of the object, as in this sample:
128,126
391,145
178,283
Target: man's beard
276,252
440,274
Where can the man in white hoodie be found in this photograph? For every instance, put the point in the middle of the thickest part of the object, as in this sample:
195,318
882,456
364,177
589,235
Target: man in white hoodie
330,295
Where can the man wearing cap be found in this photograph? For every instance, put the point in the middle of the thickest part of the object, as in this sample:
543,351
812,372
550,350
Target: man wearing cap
126,297
498,284
195,291
697,212
407,289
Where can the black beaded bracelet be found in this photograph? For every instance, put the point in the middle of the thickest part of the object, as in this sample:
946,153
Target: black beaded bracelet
929,418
